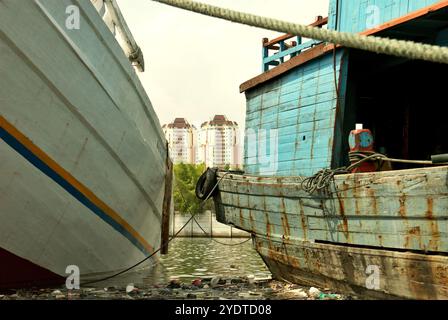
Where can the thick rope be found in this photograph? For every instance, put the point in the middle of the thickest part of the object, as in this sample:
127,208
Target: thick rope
321,180
199,225
399,48
219,242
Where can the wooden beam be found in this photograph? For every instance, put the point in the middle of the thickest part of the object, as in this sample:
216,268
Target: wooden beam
288,65
406,18
166,208
318,23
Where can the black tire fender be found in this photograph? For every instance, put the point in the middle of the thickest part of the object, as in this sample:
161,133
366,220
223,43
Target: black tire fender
206,183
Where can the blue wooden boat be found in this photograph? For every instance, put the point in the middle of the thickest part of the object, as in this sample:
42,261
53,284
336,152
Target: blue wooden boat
377,234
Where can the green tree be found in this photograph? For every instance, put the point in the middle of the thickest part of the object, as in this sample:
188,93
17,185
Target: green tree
185,179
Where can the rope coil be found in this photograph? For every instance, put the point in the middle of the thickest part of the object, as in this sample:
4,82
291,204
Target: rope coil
322,179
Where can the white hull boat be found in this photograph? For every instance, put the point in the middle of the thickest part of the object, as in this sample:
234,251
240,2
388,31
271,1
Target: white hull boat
83,159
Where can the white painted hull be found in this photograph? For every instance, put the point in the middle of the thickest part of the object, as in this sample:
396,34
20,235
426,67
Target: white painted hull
92,193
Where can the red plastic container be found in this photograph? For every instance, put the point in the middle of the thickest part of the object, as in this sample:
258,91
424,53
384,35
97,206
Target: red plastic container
362,140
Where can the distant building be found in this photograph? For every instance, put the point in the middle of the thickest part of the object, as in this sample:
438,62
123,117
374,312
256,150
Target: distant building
181,137
218,143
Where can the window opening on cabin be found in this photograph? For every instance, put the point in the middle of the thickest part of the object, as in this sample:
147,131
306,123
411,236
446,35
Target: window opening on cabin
401,102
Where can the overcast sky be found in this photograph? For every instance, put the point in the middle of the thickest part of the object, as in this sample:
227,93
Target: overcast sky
195,64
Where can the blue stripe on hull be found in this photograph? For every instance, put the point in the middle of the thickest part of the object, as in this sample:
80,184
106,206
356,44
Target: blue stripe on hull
39,164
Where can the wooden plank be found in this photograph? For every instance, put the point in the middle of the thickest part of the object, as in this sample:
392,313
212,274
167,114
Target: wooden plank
166,207
317,23
308,55
291,50
300,105
400,209
406,18
344,269
302,244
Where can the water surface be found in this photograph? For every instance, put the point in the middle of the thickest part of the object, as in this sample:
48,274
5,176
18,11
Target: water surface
192,258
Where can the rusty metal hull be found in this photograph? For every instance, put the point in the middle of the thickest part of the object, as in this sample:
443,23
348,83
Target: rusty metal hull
396,221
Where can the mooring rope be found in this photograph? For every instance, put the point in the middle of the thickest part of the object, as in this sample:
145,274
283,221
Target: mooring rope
210,236
399,48
160,248
222,243
322,179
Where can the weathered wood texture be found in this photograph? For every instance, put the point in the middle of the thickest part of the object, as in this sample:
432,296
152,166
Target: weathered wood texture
167,206
290,121
362,15
387,211
346,269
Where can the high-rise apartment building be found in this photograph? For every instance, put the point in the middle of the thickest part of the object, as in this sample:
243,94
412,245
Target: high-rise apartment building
181,137
218,143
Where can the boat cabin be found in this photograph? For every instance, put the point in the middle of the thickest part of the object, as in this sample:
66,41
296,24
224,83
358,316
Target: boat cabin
310,95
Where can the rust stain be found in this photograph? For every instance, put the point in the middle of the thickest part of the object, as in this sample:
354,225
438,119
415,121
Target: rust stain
285,223
407,239
380,240
415,233
268,227
241,218
268,231
371,194
290,260
356,195
435,234
303,221
430,205
341,206
241,211
402,209
306,257
251,218
357,210
441,273
344,218
285,226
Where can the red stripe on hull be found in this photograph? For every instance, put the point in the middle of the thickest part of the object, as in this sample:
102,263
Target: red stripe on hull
16,272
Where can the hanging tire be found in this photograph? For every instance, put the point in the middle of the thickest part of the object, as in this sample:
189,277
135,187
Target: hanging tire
206,183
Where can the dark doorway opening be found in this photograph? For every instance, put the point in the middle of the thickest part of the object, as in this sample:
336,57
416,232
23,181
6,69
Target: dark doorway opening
402,102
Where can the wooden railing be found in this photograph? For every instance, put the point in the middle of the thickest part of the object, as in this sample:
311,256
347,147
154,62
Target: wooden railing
284,49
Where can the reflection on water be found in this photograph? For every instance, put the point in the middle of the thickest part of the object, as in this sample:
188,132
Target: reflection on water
191,258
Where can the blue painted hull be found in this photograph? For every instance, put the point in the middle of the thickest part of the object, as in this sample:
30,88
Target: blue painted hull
394,221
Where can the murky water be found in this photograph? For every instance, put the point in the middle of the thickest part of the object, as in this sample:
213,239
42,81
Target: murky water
191,258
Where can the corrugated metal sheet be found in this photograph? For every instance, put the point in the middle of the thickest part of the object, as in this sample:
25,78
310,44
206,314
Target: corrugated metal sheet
301,106
357,15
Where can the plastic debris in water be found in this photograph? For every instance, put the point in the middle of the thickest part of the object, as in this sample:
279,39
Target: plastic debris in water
329,296
129,288
314,292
